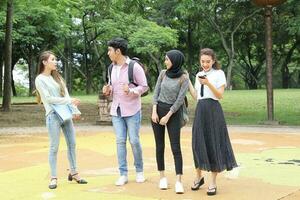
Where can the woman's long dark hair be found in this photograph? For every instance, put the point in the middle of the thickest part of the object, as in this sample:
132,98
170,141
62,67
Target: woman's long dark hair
44,56
210,52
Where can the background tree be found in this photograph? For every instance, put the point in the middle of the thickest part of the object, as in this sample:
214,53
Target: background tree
6,104
2,35
78,31
287,41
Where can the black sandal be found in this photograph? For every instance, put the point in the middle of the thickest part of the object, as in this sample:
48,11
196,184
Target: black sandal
71,177
212,191
198,184
51,185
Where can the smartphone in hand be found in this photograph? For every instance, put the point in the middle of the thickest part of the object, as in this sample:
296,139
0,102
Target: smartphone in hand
202,77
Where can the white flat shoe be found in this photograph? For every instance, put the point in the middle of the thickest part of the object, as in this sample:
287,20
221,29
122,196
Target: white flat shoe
179,188
163,183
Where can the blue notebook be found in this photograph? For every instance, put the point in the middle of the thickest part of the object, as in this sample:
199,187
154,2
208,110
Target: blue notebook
63,111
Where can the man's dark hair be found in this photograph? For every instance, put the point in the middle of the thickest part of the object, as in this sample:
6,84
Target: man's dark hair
119,43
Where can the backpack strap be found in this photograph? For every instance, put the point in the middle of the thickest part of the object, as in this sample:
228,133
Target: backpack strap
130,72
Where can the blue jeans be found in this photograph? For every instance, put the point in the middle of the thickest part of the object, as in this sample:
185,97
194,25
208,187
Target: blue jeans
54,124
130,125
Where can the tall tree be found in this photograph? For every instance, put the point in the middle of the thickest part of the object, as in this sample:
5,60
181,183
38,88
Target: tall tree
2,35
226,18
1,68
250,58
286,39
6,104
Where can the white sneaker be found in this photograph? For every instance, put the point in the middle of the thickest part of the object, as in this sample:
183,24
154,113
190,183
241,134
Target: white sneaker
121,181
179,188
140,177
163,183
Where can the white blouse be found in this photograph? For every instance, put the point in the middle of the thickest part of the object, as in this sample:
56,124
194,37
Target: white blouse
215,77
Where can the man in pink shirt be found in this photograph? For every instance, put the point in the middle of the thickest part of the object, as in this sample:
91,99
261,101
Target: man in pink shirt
126,107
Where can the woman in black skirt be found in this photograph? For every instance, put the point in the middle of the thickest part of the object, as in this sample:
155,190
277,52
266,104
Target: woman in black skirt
211,145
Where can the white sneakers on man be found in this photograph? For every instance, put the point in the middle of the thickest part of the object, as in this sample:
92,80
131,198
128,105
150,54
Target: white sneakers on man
179,188
122,180
163,183
140,177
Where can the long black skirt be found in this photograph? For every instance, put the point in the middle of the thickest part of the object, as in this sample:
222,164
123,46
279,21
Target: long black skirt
212,149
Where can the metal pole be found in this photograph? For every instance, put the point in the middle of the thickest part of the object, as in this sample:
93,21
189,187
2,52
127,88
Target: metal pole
268,24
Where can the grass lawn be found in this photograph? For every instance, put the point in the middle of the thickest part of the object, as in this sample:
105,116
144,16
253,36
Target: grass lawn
250,106
241,107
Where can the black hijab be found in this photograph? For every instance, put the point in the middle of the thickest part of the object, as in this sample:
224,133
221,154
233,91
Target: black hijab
177,59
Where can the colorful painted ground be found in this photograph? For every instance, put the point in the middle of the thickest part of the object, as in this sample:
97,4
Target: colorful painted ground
269,167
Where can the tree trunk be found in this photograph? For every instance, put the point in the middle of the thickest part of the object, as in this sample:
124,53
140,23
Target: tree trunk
298,81
102,68
67,64
156,61
89,78
14,61
104,72
269,64
285,74
189,45
6,104
229,71
1,69
88,87
13,87
229,49
32,71
150,84
70,74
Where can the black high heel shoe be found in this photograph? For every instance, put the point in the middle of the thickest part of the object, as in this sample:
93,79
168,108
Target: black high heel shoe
212,191
197,185
71,177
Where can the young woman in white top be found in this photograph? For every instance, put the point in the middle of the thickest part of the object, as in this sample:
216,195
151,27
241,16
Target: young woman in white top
211,145
52,90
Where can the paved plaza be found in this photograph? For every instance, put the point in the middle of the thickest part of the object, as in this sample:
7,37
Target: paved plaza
268,158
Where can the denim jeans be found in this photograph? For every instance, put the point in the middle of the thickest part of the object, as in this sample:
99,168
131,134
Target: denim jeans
130,125
54,124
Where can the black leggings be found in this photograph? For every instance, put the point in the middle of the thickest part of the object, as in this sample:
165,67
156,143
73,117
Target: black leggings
173,127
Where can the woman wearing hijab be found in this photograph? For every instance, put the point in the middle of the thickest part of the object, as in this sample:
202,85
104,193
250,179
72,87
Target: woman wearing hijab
168,98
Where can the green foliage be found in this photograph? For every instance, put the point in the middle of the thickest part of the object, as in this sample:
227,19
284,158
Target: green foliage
151,38
2,25
21,90
36,24
153,27
292,16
